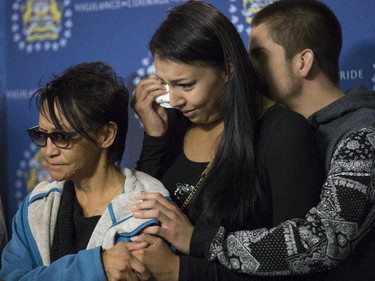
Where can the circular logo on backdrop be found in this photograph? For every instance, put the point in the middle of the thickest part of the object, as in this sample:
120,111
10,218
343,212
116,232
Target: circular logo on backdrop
41,25
243,11
31,171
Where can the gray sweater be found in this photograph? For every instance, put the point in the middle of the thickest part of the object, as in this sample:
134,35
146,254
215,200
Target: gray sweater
335,122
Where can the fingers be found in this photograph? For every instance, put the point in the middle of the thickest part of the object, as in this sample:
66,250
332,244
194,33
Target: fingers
148,90
153,117
159,259
140,269
147,238
154,230
120,264
142,243
145,196
149,211
131,276
154,206
175,227
132,246
152,200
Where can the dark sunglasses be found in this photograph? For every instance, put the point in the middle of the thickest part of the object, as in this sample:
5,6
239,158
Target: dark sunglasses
59,138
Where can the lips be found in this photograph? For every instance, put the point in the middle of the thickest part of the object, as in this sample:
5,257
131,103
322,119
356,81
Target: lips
188,113
54,165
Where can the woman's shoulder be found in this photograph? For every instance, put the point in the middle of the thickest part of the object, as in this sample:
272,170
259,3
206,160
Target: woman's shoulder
277,111
147,183
280,125
44,188
279,117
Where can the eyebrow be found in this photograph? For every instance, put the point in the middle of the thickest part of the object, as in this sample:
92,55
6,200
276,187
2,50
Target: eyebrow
54,129
176,81
257,48
47,131
41,129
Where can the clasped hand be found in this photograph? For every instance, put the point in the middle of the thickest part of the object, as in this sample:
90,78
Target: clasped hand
149,256
120,265
175,226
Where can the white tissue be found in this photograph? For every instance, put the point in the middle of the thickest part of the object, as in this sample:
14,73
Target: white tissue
163,100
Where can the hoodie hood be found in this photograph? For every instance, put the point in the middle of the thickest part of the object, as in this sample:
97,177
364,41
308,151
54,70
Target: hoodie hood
349,114
357,98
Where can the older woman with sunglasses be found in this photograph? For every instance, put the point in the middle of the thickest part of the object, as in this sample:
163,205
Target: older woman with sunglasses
74,228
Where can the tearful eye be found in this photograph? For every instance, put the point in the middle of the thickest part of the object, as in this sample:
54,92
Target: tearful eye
186,86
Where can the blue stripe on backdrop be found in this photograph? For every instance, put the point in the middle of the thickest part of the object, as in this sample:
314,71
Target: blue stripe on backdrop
118,32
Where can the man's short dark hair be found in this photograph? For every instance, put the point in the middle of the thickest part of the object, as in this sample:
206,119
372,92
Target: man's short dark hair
305,24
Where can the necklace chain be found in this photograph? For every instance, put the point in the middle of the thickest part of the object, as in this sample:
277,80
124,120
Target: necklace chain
197,186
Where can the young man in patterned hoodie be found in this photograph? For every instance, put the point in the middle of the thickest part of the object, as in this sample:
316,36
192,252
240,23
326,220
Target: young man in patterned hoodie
295,47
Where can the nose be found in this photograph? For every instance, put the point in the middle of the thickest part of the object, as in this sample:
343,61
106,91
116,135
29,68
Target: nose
175,99
50,149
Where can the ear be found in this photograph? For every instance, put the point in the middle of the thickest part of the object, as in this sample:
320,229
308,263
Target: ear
305,62
229,71
107,135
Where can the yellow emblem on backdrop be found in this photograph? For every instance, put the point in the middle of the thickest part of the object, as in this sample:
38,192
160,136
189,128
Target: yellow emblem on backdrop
41,25
243,11
42,20
32,170
38,171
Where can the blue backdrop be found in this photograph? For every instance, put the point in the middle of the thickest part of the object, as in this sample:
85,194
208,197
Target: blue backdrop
117,32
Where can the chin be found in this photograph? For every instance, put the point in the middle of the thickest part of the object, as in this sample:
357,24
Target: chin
57,177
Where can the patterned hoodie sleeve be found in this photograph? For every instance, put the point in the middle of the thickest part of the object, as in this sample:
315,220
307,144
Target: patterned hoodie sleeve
329,232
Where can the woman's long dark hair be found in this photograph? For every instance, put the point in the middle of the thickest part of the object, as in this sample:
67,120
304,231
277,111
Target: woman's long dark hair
196,32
